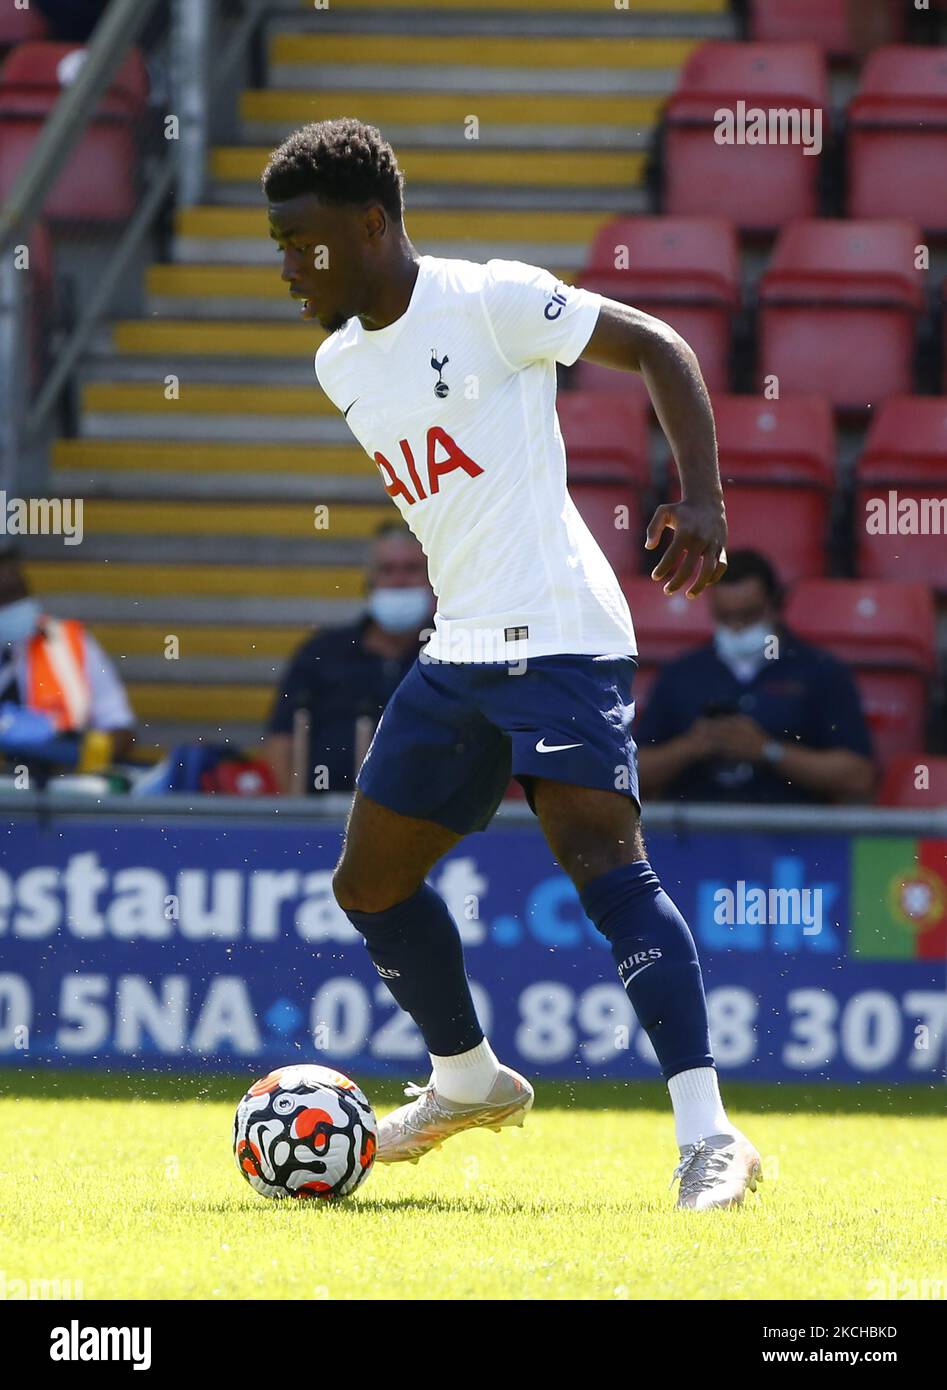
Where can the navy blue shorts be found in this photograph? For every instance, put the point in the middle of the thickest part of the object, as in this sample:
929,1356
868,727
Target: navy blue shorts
453,734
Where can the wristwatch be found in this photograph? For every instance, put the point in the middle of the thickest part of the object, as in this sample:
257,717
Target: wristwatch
774,752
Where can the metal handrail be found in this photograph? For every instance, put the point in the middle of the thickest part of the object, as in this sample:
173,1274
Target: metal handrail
113,36
332,808
180,164
184,163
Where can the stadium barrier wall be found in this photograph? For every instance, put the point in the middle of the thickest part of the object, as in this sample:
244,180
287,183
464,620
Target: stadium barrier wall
169,934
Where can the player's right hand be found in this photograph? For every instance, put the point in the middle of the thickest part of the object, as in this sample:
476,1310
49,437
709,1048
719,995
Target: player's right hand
697,555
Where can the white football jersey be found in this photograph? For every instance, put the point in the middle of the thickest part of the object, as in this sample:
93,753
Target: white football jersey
456,403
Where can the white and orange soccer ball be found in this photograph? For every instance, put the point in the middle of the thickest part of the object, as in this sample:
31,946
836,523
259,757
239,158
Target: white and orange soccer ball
305,1131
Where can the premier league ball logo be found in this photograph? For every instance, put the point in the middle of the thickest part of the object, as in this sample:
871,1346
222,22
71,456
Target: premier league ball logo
305,1131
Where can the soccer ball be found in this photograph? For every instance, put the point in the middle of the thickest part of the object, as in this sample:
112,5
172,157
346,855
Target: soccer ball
304,1131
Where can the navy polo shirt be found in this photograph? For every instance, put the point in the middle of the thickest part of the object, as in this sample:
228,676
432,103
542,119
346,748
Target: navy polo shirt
804,696
336,678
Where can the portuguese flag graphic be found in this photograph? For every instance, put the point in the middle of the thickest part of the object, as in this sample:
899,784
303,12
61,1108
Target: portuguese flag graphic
899,899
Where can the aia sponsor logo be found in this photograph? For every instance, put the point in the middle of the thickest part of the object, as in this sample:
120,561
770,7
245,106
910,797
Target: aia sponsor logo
443,455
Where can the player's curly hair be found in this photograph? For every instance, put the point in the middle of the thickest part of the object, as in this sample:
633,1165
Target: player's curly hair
341,161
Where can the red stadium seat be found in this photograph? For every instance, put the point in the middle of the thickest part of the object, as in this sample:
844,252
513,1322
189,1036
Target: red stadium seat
906,443
867,624
885,632
839,306
895,706
613,514
899,785
19,26
897,147
908,535
606,437
901,493
777,465
33,75
824,22
785,443
758,186
776,461
667,625
98,183
683,270
793,523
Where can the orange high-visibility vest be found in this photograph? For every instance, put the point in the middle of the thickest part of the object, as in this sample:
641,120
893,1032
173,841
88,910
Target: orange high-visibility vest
57,681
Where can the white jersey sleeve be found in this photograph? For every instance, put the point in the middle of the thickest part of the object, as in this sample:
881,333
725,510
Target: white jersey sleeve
534,317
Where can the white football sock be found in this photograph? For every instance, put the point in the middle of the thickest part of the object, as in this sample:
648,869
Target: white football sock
698,1109
468,1076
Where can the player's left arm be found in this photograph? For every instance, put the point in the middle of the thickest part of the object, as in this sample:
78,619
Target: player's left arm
628,339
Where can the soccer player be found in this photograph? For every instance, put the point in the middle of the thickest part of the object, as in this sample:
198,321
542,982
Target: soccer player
445,371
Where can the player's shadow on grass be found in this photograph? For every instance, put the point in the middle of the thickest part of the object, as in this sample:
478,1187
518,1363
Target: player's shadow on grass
398,1204
802,1097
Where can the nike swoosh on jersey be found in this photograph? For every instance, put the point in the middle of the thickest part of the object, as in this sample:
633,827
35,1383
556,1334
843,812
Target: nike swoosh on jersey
554,747
348,408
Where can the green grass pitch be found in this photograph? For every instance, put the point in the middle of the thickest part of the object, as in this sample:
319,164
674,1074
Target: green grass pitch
127,1186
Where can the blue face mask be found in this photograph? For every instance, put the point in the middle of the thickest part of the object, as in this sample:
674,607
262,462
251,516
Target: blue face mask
400,610
19,620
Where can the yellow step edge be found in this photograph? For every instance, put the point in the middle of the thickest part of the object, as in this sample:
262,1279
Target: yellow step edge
481,50
210,704
153,456
202,398
200,640
225,281
216,339
497,108
334,521
553,169
238,282
422,224
195,581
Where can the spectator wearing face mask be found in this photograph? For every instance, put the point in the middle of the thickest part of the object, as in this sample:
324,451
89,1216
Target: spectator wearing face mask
757,715
340,680
61,701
